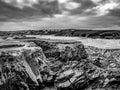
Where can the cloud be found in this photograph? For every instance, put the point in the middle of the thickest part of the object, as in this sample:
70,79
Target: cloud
96,1
63,1
93,7
21,3
82,6
16,9
35,14
62,22
45,23
25,3
104,9
44,8
72,5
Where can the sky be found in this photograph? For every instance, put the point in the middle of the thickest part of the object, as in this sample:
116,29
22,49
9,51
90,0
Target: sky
59,14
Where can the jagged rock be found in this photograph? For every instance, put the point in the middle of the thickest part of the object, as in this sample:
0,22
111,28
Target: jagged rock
76,53
78,67
19,67
96,72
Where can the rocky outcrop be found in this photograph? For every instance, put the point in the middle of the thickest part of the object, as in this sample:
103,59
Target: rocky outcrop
98,71
87,68
78,67
76,52
20,67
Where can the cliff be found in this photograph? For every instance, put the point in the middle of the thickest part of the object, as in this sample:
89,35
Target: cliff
19,66
76,67
81,67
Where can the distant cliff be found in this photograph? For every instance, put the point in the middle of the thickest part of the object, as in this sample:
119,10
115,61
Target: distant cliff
105,34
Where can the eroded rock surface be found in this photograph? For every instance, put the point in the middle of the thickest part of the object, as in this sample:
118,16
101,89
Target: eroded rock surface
19,68
87,68
76,67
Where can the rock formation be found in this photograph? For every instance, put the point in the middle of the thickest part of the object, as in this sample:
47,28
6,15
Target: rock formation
19,67
78,67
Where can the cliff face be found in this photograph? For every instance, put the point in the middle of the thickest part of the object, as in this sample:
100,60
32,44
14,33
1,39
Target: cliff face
76,67
83,67
19,68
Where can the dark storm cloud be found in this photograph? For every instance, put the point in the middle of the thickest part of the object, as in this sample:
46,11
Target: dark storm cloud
35,14
42,9
18,9
86,3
